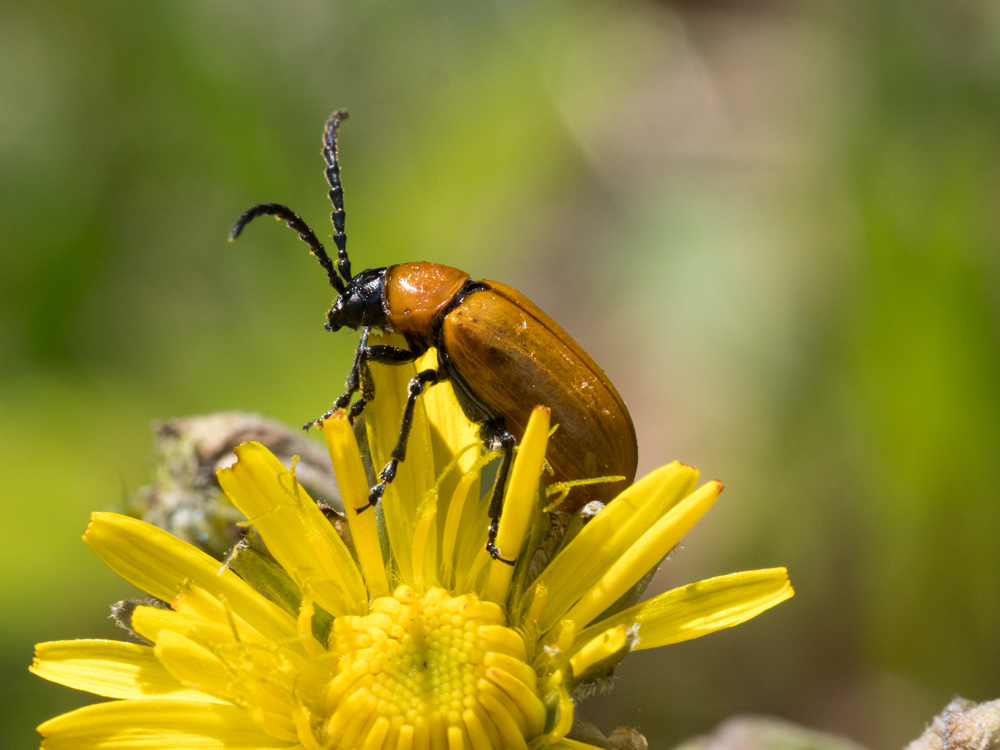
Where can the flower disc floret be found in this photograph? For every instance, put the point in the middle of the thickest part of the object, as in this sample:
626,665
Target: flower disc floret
430,667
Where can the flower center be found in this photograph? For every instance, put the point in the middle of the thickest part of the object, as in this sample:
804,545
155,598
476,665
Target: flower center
434,671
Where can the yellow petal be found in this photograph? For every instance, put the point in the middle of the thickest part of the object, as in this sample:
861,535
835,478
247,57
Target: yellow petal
701,608
434,541
642,556
415,475
353,484
150,621
450,429
468,486
162,565
519,501
194,665
606,649
113,669
156,724
424,553
295,530
464,540
580,565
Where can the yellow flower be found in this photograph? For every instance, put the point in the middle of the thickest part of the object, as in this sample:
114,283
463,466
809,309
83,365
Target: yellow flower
403,633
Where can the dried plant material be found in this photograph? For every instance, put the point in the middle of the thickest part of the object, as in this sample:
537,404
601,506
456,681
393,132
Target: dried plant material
963,725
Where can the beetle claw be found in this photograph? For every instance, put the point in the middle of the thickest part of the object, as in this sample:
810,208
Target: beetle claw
495,553
491,543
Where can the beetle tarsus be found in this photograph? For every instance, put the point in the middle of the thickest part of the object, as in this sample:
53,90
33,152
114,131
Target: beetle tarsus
373,499
389,472
356,408
385,476
318,422
491,543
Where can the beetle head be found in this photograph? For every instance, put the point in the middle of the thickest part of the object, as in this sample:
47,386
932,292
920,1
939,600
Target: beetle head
361,304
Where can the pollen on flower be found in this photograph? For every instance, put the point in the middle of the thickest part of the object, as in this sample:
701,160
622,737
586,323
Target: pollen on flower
436,668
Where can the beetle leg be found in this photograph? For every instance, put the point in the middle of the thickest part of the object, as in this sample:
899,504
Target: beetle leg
359,377
504,442
388,355
354,376
354,381
418,383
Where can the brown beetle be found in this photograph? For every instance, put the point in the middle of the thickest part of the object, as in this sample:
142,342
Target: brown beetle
502,354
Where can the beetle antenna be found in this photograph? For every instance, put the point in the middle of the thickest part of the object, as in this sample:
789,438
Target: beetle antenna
296,222
336,191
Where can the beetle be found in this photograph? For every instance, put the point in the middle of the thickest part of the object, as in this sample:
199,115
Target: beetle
500,352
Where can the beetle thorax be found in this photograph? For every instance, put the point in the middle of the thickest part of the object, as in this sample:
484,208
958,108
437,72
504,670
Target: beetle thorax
417,295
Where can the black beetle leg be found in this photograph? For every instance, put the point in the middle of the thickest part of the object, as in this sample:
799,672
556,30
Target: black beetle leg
418,383
353,382
355,378
504,442
359,377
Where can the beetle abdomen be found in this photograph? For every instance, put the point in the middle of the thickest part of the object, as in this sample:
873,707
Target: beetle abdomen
513,357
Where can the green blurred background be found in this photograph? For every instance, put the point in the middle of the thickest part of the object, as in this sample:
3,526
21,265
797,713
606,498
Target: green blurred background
774,224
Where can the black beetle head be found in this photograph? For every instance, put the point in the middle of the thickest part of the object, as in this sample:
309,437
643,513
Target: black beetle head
361,304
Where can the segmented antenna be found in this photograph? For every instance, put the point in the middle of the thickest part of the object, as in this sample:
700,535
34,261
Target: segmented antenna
296,222
336,191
